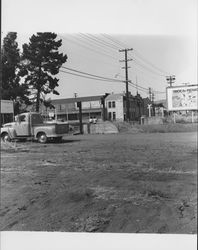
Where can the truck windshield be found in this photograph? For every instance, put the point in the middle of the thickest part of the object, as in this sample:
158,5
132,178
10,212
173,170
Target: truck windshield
36,119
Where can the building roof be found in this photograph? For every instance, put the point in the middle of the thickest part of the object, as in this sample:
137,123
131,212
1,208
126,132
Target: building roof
113,97
77,99
163,101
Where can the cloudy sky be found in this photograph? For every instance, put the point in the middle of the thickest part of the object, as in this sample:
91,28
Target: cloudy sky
161,33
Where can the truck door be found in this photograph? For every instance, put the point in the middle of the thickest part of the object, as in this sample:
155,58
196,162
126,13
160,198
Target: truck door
22,125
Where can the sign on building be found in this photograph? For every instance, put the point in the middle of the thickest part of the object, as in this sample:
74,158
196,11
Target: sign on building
91,104
182,98
7,111
7,107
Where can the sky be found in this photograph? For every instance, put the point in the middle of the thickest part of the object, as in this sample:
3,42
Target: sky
161,33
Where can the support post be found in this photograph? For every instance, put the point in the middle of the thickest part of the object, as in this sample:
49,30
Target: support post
192,116
79,105
174,117
149,106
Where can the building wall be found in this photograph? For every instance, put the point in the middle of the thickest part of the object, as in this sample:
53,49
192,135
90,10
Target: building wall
118,109
136,107
67,110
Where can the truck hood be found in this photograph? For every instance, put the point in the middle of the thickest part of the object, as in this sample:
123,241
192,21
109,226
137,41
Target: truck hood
10,124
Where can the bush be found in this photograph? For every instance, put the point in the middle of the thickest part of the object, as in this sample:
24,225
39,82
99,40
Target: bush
124,127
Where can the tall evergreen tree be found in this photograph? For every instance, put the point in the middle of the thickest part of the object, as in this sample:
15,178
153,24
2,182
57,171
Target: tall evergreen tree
42,62
11,87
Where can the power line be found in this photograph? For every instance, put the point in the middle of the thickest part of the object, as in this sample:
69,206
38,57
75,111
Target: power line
136,85
138,54
150,63
101,78
107,55
96,77
87,77
88,48
115,41
91,42
101,41
95,41
148,69
148,73
85,73
140,88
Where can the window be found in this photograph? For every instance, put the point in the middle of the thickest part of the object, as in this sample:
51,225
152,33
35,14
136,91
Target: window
114,116
109,115
62,107
111,104
36,119
22,118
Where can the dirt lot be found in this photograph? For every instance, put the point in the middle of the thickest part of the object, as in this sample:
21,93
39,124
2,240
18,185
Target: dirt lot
143,183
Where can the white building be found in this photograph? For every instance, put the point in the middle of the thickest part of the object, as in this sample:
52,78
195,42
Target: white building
114,104
116,107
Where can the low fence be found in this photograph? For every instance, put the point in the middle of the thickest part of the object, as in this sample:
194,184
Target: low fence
172,118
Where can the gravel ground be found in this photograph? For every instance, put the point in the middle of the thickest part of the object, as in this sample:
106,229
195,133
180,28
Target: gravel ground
127,183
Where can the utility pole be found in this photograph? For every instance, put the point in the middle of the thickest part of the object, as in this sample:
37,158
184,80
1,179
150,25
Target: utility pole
153,97
126,80
79,105
150,94
136,85
170,80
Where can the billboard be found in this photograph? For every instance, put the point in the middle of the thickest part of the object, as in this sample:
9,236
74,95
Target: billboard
182,98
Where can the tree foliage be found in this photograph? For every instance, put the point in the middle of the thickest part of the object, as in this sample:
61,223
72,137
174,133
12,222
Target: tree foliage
12,88
41,62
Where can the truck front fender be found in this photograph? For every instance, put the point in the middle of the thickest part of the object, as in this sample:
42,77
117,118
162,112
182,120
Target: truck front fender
11,132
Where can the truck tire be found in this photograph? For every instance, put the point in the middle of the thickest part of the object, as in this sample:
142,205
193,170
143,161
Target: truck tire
42,138
5,137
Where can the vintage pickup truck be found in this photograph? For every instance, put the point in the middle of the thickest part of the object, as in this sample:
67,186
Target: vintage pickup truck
31,125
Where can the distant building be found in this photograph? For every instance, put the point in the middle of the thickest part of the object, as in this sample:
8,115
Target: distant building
116,107
67,110
160,107
103,107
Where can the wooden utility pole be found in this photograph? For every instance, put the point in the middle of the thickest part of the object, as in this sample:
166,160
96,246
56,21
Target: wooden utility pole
126,80
79,105
170,80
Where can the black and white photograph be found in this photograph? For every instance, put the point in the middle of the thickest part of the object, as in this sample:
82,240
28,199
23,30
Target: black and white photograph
99,119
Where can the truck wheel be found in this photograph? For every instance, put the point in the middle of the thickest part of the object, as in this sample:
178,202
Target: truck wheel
42,138
5,137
